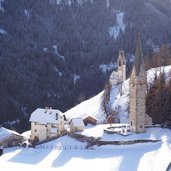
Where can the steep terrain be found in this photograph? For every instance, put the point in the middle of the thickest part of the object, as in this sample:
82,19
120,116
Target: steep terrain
60,52
119,100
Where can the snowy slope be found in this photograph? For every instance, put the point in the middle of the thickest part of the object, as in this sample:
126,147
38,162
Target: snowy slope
138,157
4,133
119,98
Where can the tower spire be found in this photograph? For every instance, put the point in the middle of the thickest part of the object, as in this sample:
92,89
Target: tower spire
138,55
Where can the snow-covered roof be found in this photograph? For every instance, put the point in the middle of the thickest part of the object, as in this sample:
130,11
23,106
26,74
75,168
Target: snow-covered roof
114,75
77,121
86,116
4,133
45,116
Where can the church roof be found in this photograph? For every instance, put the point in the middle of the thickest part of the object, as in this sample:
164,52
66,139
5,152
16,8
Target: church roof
138,56
4,133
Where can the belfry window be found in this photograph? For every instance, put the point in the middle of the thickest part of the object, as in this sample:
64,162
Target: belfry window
119,63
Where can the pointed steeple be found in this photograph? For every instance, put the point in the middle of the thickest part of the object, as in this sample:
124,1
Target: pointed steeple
138,55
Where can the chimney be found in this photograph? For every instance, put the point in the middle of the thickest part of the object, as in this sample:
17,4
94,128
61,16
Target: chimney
46,109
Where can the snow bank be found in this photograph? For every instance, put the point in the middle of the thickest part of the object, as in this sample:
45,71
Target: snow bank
120,26
90,107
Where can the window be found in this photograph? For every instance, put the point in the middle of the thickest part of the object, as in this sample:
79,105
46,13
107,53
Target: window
119,63
131,122
35,130
140,126
56,116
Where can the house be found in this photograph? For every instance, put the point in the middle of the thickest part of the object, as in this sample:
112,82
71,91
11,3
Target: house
76,124
9,138
90,120
46,124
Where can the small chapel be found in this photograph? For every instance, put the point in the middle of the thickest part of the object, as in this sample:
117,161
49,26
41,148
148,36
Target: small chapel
138,119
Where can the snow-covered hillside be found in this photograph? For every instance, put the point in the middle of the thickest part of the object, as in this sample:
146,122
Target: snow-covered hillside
119,98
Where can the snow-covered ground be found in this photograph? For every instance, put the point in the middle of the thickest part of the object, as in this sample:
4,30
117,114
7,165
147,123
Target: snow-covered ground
66,154
119,98
115,30
4,133
151,133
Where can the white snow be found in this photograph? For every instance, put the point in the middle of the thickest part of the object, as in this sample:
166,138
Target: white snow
76,78
77,121
150,42
66,154
2,31
115,30
6,132
44,116
26,13
55,47
120,21
58,71
68,2
108,67
55,2
26,134
107,3
119,99
156,71
97,131
45,49
90,107
1,8
130,57
80,2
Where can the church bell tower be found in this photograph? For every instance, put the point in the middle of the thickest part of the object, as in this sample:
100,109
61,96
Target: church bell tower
137,103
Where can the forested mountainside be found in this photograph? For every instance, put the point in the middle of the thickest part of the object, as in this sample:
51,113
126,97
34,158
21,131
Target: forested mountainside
60,52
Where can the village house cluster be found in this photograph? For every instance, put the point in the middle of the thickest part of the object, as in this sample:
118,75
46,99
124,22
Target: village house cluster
48,123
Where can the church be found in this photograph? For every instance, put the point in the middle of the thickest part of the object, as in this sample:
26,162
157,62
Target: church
138,119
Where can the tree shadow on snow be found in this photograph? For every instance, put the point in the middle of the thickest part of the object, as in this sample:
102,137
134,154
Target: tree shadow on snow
131,155
30,155
133,158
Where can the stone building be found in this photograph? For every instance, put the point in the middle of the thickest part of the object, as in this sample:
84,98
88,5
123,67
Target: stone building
76,125
137,103
119,76
46,124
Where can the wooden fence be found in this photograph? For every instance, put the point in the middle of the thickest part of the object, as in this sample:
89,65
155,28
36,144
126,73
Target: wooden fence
61,147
